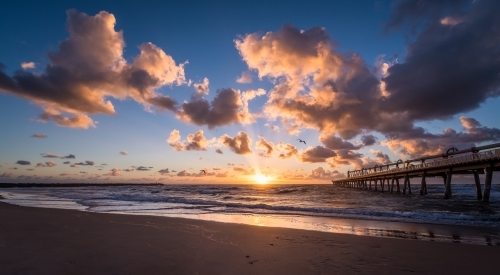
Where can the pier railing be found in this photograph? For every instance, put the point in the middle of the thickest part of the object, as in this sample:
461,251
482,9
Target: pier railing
464,159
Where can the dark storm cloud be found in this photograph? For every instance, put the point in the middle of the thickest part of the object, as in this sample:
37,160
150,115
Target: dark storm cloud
23,162
414,11
452,66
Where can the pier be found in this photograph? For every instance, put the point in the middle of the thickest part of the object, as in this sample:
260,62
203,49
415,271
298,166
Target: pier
387,177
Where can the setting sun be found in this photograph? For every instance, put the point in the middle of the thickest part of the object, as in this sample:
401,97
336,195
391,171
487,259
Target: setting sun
261,179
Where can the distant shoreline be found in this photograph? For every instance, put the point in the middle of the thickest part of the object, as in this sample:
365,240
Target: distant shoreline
24,185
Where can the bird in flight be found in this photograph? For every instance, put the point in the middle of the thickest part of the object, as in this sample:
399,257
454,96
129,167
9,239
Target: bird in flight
205,172
301,141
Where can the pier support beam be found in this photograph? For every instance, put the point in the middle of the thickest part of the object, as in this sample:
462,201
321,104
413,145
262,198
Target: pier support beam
447,188
409,185
478,185
382,184
487,184
376,184
423,185
397,185
406,182
392,184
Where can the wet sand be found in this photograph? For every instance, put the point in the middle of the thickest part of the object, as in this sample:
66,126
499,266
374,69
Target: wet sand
55,241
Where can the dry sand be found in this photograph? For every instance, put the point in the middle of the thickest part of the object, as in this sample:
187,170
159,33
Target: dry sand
53,241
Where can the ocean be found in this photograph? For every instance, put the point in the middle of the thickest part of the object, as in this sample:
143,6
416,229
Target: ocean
461,219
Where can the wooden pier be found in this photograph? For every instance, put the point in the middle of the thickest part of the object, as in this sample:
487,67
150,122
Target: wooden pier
386,178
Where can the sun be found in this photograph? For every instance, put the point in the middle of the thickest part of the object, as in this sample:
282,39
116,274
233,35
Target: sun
261,179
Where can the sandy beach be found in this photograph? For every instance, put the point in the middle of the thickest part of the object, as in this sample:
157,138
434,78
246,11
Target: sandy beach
53,241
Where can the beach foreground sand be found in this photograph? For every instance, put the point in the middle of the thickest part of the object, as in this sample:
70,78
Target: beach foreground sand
53,241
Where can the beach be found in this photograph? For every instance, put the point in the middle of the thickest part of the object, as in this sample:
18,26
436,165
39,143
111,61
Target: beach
61,241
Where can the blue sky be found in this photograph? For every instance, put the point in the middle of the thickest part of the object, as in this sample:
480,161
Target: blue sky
369,38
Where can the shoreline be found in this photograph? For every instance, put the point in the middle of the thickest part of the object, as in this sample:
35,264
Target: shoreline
60,241
414,230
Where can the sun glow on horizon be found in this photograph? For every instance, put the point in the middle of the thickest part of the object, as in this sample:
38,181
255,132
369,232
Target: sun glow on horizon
261,179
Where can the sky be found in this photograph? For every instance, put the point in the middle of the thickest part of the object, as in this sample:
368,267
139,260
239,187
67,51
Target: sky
225,92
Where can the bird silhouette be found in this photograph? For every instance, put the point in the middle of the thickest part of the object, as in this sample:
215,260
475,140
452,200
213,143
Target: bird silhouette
203,171
301,141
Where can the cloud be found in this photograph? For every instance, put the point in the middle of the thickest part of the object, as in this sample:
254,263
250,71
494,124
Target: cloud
66,162
422,143
36,135
250,172
23,162
6,175
337,94
335,143
456,62
142,168
274,128
219,151
124,153
164,171
368,140
317,87
202,88
239,169
228,107
28,65
49,155
268,147
183,173
221,175
46,164
239,144
76,121
88,68
316,154
196,142
321,173
286,150
246,77
70,156
113,172
129,169
87,162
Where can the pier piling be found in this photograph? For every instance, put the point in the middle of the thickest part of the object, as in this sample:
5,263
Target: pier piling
478,185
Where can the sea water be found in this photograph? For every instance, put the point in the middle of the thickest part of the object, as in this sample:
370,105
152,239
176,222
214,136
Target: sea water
326,208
